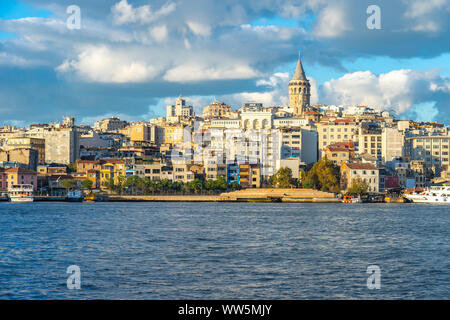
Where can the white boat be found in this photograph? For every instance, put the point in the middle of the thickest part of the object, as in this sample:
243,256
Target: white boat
20,193
439,194
75,196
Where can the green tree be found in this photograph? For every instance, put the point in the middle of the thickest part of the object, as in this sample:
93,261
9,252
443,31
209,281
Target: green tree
283,178
221,184
86,184
324,176
195,186
68,184
308,183
235,186
358,187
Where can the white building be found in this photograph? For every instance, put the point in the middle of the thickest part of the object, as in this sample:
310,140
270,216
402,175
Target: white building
179,110
392,143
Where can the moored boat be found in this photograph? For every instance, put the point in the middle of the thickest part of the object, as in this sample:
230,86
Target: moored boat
75,196
90,197
437,194
350,199
21,193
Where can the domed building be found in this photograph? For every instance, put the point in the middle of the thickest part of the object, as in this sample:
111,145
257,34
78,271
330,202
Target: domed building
299,90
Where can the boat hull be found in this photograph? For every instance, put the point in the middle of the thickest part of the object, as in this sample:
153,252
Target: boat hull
21,199
427,199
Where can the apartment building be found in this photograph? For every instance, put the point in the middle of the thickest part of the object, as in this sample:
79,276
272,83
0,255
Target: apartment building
336,131
217,110
112,124
21,176
434,150
340,152
366,171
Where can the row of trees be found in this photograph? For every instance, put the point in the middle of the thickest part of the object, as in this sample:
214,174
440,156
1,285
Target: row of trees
324,175
70,184
138,185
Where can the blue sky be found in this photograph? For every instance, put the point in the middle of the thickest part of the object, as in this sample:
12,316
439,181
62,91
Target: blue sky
132,57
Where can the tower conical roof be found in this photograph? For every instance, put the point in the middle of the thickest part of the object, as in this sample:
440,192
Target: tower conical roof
299,73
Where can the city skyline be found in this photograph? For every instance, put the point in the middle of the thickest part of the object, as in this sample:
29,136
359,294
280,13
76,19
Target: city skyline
131,59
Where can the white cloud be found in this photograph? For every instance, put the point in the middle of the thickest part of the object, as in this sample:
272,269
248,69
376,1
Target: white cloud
273,32
418,8
200,72
100,64
274,93
7,59
124,13
332,22
397,90
199,29
159,33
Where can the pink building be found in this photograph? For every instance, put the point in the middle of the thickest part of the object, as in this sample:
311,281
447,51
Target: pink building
21,176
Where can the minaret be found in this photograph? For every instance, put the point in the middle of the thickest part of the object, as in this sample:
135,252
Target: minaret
299,90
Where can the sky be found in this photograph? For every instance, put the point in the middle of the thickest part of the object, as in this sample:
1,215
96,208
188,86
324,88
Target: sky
130,58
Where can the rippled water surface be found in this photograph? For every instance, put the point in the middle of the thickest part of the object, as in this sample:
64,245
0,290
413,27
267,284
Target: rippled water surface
224,250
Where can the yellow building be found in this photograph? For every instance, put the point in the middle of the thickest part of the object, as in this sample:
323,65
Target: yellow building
173,134
111,170
137,131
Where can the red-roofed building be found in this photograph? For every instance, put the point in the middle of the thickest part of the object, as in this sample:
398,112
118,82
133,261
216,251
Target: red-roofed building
366,171
339,152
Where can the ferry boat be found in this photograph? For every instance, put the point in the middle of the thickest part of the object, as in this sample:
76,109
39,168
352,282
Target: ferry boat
350,199
21,193
438,194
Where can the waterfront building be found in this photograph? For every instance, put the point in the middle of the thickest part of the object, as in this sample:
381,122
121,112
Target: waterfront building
215,170
366,171
294,164
153,171
182,173
112,170
232,173
21,176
